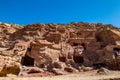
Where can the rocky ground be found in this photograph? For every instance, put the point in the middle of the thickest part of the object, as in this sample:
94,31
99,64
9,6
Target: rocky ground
89,75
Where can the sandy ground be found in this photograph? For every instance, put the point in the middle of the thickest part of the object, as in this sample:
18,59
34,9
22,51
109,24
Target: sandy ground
91,75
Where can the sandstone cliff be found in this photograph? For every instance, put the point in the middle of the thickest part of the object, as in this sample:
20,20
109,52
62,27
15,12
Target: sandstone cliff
58,48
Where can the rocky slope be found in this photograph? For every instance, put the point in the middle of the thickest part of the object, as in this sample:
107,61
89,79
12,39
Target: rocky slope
56,49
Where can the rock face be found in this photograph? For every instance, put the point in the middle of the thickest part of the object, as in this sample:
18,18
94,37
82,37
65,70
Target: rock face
5,31
8,66
58,48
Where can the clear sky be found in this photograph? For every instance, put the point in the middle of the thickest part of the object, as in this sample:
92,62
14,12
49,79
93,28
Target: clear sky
60,11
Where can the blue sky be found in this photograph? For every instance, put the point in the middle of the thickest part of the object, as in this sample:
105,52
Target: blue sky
60,11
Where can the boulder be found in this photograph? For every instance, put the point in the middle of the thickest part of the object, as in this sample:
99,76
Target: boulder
70,69
59,65
103,71
34,70
83,68
10,69
59,71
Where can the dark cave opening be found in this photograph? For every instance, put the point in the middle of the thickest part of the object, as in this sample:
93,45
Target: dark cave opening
116,51
29,49
62,59
99,65
84,46
78,59
27,61
75,44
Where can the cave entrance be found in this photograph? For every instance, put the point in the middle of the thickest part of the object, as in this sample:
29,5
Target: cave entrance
27,61
84,46
78,59
116,51
76,44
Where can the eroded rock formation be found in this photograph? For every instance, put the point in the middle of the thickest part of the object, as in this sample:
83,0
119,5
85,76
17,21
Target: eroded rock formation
58,48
